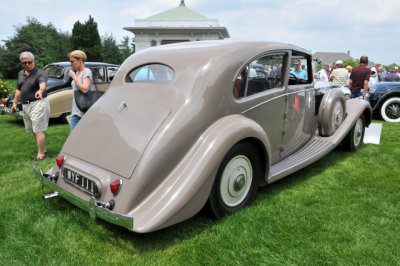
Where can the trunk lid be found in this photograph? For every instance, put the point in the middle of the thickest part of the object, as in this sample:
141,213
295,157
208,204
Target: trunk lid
114,133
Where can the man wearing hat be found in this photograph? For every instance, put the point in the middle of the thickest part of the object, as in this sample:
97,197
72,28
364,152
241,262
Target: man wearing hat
392,76
359,78
339,75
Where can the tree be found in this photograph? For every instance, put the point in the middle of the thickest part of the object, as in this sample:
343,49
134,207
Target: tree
387,68
126,48
351,62
112,54
46,42
86,37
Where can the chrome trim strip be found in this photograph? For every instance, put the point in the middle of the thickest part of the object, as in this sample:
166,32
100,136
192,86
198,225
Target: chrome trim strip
91,206
277,97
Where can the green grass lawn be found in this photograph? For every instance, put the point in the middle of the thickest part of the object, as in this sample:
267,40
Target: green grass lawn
342,210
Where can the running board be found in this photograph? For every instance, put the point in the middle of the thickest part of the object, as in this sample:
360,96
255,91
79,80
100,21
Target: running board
314,150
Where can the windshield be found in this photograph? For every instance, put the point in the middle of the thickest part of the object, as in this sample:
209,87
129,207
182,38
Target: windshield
54,71
152,73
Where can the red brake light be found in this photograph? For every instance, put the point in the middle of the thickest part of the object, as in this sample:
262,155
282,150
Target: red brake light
115,187
60,160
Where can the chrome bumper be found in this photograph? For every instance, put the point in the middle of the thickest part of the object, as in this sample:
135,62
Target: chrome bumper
5,110
94,208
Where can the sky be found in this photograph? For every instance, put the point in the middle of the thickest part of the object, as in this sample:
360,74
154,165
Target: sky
363,27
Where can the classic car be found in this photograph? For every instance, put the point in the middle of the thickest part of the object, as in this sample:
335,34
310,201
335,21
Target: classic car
385,100
184,127
59,90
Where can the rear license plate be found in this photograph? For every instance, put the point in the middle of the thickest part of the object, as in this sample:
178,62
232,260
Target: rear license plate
83,183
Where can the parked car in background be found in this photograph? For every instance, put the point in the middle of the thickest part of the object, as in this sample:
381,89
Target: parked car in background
59,90
385,100
185,127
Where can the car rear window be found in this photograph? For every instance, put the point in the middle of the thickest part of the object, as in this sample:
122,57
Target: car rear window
54,71
151,73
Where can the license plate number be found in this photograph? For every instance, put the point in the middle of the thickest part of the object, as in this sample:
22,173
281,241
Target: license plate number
83,183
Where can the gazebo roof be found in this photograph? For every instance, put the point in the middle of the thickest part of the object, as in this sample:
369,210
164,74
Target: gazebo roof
180,12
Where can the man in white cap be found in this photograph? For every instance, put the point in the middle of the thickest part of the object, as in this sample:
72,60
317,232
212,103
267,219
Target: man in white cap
339,75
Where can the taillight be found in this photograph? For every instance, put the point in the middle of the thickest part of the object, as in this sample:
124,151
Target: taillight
115,187
60,160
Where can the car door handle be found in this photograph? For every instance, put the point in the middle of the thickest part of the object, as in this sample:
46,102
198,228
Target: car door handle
122,106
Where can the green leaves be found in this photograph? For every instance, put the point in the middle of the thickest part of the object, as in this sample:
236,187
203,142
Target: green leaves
50,45
46,42
86,37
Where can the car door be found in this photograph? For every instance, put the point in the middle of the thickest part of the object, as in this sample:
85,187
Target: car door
299,122
264,94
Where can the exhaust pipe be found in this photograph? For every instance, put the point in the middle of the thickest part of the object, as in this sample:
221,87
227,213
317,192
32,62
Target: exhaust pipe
49,196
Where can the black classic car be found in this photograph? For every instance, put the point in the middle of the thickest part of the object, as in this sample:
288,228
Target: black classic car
59,89
385,100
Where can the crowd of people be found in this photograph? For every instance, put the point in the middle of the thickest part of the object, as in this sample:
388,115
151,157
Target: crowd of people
358,79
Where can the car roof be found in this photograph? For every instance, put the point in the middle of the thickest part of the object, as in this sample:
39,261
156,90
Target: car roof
88,64
212,53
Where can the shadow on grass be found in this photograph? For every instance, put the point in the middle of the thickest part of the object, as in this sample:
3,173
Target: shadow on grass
337,155
15,121
19,121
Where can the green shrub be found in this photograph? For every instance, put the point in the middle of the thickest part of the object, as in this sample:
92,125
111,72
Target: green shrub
5,89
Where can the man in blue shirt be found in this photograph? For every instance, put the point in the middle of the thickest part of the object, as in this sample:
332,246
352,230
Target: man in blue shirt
297,71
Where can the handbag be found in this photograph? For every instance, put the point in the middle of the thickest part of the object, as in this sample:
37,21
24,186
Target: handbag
85,100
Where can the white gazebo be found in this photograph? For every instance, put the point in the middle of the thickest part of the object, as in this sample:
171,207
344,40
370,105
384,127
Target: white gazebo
180,24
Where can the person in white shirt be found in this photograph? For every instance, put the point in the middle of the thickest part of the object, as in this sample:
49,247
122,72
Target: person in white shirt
323,73
375,69
372,78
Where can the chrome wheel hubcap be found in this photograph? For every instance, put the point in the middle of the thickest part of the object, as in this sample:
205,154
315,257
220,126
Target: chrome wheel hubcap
337,116
236,180
358,129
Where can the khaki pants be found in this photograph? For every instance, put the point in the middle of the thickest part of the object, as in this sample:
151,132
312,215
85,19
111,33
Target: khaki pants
36,115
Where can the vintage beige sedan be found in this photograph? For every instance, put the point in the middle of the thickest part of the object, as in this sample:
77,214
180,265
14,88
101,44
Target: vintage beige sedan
200,124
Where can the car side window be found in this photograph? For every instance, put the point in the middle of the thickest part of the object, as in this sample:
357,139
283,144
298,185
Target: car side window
300,70
152,73
262,74
98,74
111,72
54,71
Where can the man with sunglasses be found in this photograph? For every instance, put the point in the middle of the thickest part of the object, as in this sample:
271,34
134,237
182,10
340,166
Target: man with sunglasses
297,71
31,91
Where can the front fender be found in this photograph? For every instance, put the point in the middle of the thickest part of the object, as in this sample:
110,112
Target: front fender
186,189
384,96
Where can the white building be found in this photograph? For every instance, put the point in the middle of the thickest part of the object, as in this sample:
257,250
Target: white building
180,24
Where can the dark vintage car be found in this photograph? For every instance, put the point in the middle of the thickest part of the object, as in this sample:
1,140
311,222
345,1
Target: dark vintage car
59,90
385,100
185,127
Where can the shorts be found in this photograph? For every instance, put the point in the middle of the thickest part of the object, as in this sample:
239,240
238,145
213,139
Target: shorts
36,115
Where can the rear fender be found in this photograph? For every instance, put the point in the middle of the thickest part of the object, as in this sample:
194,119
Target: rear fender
186,189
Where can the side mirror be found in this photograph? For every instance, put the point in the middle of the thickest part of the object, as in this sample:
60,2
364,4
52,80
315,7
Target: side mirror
318,60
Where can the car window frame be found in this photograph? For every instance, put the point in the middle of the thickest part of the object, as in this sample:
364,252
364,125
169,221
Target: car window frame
286,55
149,81
301,55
